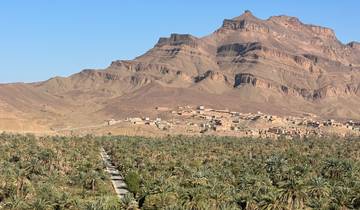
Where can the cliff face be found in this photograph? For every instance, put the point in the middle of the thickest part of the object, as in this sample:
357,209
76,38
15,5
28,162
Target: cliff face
354,45
281,53
248,64
287,56
177,40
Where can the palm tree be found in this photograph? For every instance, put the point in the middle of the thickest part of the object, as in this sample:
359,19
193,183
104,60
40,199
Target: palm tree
292,193
41,204
341,197
318,191
270,201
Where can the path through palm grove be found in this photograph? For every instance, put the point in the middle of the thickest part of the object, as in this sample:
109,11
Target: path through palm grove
178,173
239,173
117,180
57,173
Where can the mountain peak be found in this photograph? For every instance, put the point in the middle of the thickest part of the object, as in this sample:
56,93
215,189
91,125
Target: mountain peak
245,16
249,61
246,22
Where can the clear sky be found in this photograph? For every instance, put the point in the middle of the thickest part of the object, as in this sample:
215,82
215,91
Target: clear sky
40,39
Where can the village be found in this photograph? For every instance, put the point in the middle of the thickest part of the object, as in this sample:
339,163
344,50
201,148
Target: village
200,120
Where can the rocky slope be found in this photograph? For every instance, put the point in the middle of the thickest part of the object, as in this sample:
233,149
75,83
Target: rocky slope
279,65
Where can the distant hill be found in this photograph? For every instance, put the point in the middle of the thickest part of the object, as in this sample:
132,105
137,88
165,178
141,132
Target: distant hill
279,65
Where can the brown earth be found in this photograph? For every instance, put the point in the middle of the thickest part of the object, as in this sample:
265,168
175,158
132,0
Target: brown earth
278,66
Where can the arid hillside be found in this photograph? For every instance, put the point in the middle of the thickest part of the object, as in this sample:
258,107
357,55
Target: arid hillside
277,66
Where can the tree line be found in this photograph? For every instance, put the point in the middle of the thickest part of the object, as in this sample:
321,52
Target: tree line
239,173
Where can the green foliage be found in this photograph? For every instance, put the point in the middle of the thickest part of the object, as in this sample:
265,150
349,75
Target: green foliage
231,173
132,180
180,173
52,173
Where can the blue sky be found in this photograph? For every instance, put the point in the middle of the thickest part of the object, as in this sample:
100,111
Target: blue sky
40,39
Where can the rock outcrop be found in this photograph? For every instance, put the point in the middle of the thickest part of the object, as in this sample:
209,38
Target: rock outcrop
354,45
275,65
178,39
280,55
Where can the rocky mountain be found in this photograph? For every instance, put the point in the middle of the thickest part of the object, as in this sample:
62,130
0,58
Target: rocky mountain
279,65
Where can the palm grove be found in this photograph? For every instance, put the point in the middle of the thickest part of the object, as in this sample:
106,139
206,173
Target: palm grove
180,173
52,173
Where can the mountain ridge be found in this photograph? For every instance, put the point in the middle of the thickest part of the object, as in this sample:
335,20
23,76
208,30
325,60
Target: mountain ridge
278,65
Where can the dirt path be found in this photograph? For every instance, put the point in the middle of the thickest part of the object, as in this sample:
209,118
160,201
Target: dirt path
116,179
83,127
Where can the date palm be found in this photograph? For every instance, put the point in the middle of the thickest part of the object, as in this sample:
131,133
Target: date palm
318,188
292,193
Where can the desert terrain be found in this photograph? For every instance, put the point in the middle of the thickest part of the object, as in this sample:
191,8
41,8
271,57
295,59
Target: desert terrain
278,66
